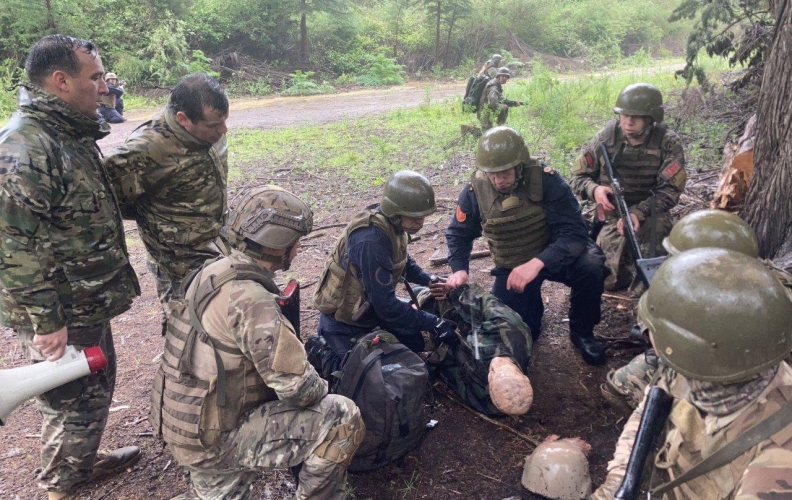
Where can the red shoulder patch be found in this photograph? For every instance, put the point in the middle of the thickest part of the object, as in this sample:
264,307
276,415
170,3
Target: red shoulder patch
590,160
460,215
672,169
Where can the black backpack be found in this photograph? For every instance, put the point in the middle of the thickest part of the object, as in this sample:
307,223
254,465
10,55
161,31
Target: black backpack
388,382
473,91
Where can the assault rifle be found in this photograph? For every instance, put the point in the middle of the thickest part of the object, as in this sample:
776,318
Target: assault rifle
646,267
289,302
655,413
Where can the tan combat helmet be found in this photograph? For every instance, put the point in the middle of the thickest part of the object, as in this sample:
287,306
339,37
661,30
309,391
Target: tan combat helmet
268,217
558,469
712,228
510,390
717,315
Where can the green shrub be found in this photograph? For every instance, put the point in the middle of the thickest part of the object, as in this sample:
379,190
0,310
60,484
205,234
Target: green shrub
302,84
380,70
10,73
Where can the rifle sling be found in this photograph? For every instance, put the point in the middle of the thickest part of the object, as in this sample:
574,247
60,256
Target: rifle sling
729,452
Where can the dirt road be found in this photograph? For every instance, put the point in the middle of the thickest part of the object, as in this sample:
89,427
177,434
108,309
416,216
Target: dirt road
290,111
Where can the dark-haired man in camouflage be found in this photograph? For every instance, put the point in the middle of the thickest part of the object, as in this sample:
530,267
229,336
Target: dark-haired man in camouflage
170,176
649,161
64,270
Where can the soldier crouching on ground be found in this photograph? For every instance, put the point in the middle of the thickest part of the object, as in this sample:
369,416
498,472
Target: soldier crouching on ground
535,231
235,393
649,161
721,323
64,267
357,290
493,107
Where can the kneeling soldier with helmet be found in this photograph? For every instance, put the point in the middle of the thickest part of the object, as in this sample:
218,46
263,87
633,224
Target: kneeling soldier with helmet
535,231
235,393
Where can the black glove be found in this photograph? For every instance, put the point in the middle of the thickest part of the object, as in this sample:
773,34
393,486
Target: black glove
445,332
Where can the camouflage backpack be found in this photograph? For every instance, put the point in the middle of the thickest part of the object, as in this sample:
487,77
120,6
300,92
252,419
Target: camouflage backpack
473,91
388,382
488,328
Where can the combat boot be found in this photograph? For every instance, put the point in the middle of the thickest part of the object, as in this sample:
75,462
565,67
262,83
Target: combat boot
590,347
108,463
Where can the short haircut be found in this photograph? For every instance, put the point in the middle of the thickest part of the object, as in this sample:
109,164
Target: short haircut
56,53
194,92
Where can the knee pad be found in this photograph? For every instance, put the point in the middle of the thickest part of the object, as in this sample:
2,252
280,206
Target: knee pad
342,441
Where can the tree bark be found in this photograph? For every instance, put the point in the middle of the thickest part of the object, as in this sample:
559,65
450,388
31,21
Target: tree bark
50,17
768,207
303,33
437,31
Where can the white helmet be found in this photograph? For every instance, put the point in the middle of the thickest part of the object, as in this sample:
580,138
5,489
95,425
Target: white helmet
558,469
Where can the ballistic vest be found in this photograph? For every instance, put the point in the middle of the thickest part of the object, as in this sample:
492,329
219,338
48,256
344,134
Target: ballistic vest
109,100
514,224
636,167
340,291
190,406
687,443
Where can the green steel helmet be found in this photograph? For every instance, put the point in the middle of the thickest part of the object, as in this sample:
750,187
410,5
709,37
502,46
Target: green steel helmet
712,228
503,71
408,193
640,99
270,217
501,148
496,59
717,315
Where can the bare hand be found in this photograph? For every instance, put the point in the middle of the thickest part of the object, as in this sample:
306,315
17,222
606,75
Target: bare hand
438,290
52,344
601,196
635,223
457,279
524,274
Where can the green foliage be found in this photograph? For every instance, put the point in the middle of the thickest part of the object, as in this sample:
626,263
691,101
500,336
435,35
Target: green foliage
301,84
10,73
241,86
380,70
170,57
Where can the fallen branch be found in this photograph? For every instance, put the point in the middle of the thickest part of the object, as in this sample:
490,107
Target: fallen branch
341,224
618,297
438,261
310,283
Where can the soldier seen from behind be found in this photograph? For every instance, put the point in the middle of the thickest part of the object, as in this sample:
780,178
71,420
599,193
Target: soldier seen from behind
357,289
234,393
649,162
64,267
171,175
490,67
535,231
721,323
493,107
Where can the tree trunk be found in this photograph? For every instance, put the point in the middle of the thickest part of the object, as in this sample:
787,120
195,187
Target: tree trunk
303,33
768,207
50,17
448,38
437,32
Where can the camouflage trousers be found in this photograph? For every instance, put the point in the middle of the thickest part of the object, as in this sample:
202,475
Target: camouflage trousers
487,115
322,439
631,380
75,413
167,289
617,254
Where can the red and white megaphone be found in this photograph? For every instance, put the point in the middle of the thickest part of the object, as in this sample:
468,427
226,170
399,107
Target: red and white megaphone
17,385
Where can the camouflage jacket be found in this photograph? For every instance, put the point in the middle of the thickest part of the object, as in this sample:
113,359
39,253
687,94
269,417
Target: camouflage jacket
492,97
657,171
174,186
761,472
264,360
63,257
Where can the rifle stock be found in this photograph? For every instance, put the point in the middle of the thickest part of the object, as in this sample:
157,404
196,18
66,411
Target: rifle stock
655,413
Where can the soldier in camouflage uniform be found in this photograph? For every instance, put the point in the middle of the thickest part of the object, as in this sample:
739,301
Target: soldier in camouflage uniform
171,175
492,106
722,324
701,229
237,395
64,268
490,67
649,161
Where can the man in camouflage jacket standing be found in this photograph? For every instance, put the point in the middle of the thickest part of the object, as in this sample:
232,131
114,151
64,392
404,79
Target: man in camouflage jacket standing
237,395
171,175
649,161
64,269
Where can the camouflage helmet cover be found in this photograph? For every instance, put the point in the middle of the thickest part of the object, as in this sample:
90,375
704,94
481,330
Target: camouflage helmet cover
717,315
559,469
641,99
712,228
503,71
408,193
269,216
501,148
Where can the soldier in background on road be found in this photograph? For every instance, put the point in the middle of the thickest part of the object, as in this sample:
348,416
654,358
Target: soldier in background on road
721,324
64,267
237,395
649,160
490,67
111,101
170,176
357,289
492,106
535,231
